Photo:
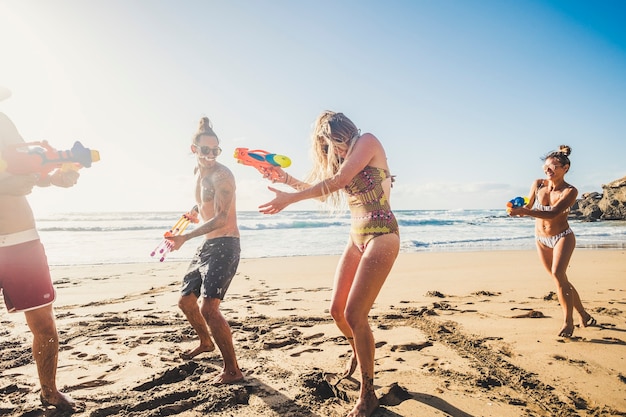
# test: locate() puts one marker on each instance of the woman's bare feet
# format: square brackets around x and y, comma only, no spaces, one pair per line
[351,366]
[567,330]
[62,402]
[365,407]
[190,354]
[228,377]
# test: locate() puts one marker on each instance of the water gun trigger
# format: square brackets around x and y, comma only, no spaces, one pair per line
[269,173]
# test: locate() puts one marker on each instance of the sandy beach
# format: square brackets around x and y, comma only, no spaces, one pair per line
[458,334]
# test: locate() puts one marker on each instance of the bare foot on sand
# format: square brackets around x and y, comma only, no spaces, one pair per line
[365,407]
[190,354]
[62,402]
[228,377]
[567,330]
[351,366]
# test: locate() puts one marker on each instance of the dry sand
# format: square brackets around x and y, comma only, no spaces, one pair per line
[458,334]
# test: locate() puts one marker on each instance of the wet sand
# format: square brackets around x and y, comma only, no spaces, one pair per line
[457,334]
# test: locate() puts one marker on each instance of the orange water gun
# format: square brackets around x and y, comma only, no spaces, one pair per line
[165,246]
[263,161]
[41,158]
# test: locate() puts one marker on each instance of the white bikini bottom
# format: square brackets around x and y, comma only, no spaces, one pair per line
[551,241]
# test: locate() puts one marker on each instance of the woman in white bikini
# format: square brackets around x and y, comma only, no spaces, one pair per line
[549,202]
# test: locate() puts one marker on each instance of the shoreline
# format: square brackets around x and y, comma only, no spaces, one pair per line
[590,247]
[78,239]
[455,336]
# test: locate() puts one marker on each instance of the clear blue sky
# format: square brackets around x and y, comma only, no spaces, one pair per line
[465,95]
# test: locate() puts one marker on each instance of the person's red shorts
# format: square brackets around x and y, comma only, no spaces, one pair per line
[25,277]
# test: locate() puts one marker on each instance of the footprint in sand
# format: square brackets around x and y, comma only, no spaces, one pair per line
[91,384]
[431,365]
[94,358]
[340,340]
[279,343]
[486,293]
[410,346]
[170,376]
[101,357]
[394,395]
[533,314]
[310,350]
[315,336]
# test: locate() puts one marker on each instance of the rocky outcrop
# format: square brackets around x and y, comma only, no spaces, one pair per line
[586,208]
[608,205]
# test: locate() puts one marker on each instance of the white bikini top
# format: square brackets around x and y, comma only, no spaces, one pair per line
[540,207]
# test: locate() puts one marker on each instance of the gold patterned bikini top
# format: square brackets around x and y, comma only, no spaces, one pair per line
[366,190]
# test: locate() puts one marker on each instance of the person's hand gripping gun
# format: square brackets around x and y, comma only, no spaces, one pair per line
[263,161]
[515,203]
[165,246]
[40,158]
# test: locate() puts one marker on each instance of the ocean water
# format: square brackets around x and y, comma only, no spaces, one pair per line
[130,237]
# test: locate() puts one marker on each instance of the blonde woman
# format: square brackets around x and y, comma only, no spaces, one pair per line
[355,164]
[549,202]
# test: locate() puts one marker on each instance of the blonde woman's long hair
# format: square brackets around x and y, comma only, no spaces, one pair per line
[332,132]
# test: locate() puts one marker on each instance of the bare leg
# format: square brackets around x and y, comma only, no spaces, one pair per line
[46,353]
[224,340]
[189,306]
[352,362]
[556,262]
[562,255]
[585,318]
[344,276]
[373,269]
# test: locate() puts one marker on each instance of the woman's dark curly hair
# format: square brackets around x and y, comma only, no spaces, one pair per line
[562,155]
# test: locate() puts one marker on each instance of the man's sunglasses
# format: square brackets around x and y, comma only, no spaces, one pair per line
[207,150]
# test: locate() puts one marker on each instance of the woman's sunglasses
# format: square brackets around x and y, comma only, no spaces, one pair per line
[207,150]
[552,167]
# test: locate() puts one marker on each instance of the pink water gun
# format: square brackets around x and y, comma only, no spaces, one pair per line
[41,158]
[263,161]
[165,246]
